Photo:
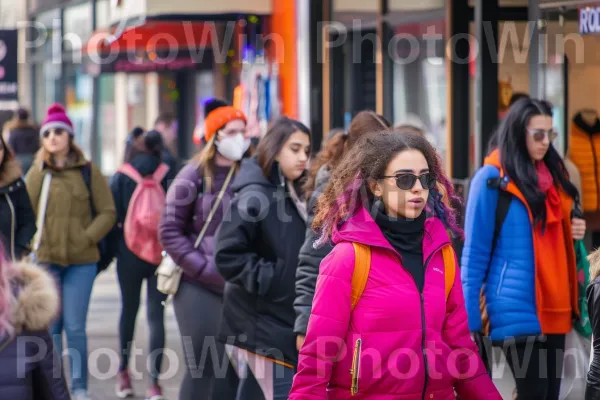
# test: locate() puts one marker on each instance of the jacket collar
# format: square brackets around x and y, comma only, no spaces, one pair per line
[75,160]
[494,159]
[362,228]
[10,175]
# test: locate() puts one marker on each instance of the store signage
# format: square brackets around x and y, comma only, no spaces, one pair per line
[9,85]
[589,20]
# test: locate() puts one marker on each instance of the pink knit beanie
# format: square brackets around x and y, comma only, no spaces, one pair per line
[56,117]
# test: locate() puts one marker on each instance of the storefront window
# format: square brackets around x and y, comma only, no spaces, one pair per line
[78,26]
[205,90]
[47,68]
[102,13]
[78,95]
[106,127]
[419,95]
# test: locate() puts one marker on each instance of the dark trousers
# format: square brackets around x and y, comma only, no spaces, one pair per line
[209,374]
[537,365]
[282,379]
[132,272]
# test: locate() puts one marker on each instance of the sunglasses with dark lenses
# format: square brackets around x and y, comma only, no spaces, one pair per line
[540,134]
[407,181]
[57,132]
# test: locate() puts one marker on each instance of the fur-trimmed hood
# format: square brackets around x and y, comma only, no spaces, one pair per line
[37,300]
[11,172]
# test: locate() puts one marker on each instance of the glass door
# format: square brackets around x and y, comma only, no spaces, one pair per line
[555,66]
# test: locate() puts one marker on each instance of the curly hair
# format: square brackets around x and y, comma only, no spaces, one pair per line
[365,163]
[365,121]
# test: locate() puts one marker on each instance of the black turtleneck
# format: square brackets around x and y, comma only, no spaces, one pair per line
[406,236]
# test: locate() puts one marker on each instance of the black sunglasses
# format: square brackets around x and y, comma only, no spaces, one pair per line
[407,181]
[57,132]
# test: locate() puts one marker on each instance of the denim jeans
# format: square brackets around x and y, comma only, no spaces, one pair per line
[75,284]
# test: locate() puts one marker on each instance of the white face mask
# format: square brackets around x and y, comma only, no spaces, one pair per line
[233,147]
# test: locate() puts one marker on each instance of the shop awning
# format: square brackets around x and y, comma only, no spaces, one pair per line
[153,36]
[155,45]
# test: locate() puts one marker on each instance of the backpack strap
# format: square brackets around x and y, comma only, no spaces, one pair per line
[86,173]
[504,200]
[362,266]
[160,173]
[127,169]
[449,268]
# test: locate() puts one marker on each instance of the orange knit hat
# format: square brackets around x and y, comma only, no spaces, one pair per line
[220,117]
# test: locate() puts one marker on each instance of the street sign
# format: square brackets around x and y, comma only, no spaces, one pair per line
[589,20]
[9,85]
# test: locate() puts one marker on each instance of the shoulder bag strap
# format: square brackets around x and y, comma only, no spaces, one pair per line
[42,205]
[214,207]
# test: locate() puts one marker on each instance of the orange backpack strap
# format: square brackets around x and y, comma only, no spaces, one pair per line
[449,268]
[362,266]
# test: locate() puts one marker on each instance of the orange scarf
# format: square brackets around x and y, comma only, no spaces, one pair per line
[556,272]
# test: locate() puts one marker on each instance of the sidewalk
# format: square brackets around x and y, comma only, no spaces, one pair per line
[103,334]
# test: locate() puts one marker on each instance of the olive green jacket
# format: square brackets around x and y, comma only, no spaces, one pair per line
[69,235]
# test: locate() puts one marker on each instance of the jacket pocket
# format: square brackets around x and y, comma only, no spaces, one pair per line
[355,370]
[501,281]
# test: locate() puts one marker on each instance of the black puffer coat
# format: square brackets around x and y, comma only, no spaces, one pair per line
[17,219]
[309,259]
[29,364]
[257,254]
[592,391]
[24,140]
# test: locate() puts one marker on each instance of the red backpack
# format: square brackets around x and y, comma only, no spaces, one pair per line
[143,213]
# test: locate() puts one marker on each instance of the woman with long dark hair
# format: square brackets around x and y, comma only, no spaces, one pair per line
[17,220]
[144,155]
[519,249]
[403,334]
[318,177]
[196,202]
[257,254]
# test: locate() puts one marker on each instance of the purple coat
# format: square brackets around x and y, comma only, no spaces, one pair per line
[186,211]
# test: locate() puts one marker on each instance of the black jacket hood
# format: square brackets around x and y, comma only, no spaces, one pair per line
[145,163]
[251,173]
[590,130]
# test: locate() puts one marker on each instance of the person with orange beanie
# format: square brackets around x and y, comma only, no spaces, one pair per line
[524,259]
[195,205]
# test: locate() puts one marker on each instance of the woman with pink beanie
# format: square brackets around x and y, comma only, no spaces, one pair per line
[75,210]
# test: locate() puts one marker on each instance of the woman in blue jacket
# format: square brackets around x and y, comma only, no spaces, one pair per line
[519,248]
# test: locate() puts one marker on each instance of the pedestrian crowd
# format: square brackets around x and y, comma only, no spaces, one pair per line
[297,277]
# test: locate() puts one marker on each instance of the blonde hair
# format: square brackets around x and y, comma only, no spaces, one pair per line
[594,260]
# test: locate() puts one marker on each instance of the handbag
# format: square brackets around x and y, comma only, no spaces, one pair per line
[168,272]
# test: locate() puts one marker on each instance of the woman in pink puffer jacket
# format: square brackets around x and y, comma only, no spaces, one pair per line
[406,340]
